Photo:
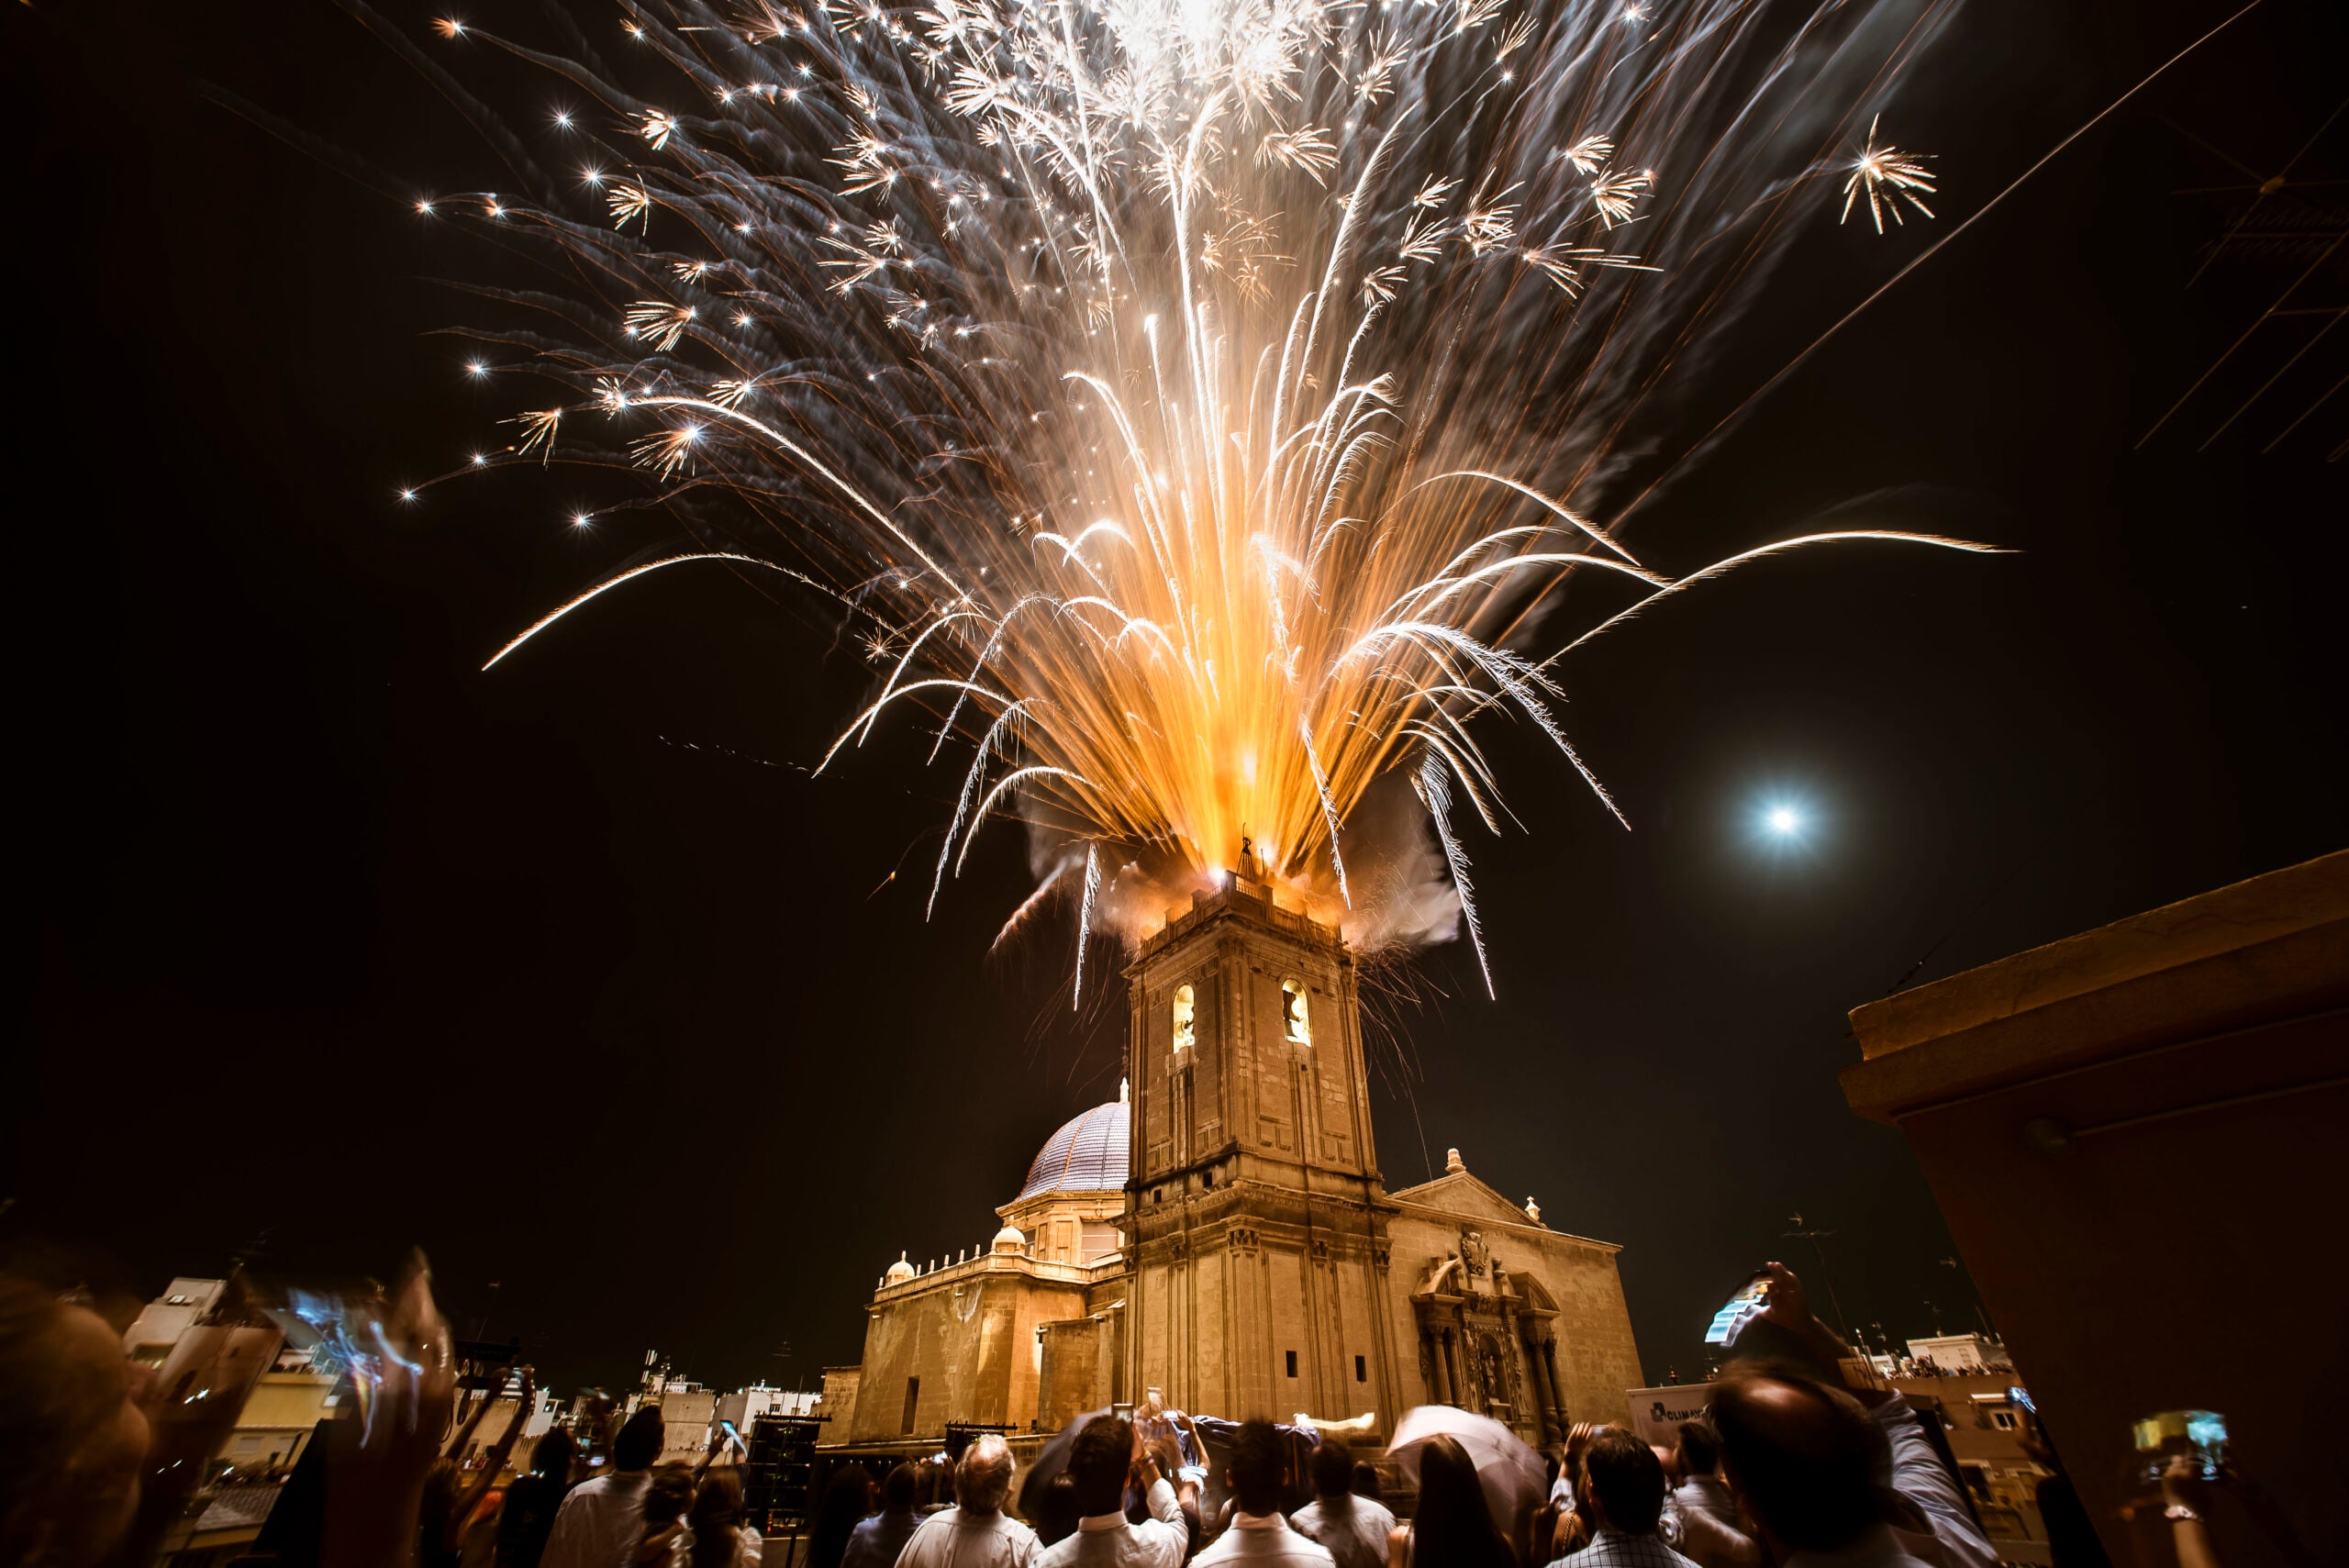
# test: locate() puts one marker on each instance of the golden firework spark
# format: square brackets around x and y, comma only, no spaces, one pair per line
[1889,177]
[1197,403]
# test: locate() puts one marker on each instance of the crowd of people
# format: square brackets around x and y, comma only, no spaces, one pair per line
[1797,1472]
[1791,1466]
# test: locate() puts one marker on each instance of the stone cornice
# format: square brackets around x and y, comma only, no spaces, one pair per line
[1524,1227]
[987,1265]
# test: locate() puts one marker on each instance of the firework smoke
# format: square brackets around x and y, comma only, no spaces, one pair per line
[1197,404]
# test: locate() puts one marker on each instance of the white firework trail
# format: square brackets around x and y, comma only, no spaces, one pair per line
[1197,404]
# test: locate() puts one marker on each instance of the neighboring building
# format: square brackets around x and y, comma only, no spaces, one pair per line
[284,1409]
[690,1413]
[747,1404]
[161,1321]
[1962,1352]
[1222,1234]
[536,1423]
[687,1415]
[1986,1433]
[284,1400]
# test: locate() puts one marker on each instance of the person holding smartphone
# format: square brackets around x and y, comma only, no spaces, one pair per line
[1824,1460]
[1104,1455]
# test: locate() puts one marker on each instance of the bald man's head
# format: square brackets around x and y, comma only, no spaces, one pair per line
[983,1478]
[1799,1453]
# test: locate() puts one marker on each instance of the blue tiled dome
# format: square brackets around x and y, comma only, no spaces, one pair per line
[1086,1155]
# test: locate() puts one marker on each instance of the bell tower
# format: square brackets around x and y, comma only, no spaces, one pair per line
[1256,1221]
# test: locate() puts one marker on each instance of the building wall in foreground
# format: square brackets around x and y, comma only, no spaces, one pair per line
[2090,1112]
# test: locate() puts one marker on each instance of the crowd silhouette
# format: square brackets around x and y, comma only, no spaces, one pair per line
[1794,1464]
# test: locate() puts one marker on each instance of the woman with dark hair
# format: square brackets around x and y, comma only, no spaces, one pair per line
[528,1516]
[1453,1526]
[848,1497]
[715,1535]
[1056,1511]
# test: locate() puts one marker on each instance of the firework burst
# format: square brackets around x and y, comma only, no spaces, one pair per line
[1888,177]
[1199,403]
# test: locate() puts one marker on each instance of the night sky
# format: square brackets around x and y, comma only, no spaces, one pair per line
[573,975]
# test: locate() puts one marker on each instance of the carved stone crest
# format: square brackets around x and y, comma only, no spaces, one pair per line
[1475,1256]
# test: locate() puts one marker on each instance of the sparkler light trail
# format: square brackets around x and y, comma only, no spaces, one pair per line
[1198,405]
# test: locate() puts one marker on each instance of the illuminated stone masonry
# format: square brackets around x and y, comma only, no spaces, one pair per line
[1222,1233]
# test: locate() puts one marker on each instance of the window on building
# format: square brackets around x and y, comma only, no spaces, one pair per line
[1294,1015]
[1186,1033]
[1362,1369]
[1292,1364]
[913,1402]
[2003,1419]
[1101,1240]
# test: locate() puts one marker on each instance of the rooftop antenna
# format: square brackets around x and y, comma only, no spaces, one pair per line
[1980,1316]
[2298,220]
[1814,1236]
[481,1324]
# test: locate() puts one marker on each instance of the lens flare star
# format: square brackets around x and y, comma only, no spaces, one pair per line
[1889,177]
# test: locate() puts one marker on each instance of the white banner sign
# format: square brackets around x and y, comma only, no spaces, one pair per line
[1656,1412]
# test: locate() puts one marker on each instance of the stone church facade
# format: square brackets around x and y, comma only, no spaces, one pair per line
[1224,1234]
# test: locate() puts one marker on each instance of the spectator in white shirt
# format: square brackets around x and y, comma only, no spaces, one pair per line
[1256,1474]
[1103,1456]
[602,1520]
[1353,1528]
[974,1532]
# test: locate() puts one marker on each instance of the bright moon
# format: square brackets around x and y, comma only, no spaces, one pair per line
[1784,819]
